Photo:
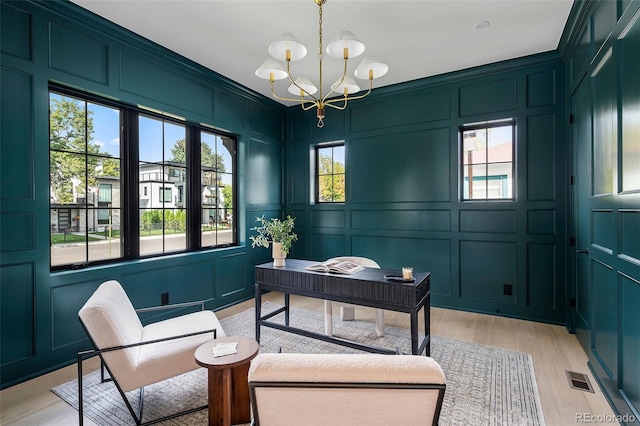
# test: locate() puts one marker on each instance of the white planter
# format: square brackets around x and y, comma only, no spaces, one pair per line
[278,255]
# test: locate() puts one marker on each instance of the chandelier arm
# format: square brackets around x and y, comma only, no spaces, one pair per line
[296,84]
[352,98]
[344,75]
[301,100]
[311,105]
[331,103]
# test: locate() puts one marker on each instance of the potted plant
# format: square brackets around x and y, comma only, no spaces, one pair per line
[276,231]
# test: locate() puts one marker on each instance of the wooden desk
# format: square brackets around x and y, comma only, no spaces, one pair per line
[228,380]
[366,288]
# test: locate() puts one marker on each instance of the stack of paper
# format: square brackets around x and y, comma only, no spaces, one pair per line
[227,348]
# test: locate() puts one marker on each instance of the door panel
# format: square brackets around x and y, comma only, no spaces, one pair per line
[581,141]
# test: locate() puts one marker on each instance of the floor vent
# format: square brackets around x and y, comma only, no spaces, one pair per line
[579,381]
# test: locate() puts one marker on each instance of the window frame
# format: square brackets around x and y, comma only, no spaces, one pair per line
[317,148]
[131,196]
[486,125]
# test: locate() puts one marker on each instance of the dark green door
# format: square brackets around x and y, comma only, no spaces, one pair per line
[581,144]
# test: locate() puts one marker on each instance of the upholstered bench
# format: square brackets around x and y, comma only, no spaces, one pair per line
[350,389]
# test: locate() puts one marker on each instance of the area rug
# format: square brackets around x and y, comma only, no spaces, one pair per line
[485,385]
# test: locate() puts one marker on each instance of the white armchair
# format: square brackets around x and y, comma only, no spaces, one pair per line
[345,389]
[347,312]
[136,355]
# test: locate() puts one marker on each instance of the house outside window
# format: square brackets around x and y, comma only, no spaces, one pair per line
[330,173]
[487,162]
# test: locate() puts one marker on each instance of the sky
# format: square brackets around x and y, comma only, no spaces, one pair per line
[106,135]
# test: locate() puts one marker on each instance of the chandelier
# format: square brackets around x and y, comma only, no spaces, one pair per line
[344,46]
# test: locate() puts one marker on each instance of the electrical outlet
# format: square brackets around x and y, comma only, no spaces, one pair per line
[164,299]
[508,290]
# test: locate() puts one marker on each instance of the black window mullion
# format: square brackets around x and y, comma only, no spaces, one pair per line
[192,192]
[129,132]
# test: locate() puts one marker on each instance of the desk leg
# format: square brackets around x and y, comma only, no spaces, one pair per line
[286,312]
[414,331]
[258,300]
[220,397]
[241,412]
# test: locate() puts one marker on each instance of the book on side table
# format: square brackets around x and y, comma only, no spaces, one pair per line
[336,266]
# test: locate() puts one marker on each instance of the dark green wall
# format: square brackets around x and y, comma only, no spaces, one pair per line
[58,42]
[403,204]
[601,45]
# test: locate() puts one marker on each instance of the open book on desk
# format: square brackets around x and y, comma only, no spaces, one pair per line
[335,266]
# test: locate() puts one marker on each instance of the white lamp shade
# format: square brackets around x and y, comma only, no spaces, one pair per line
[306,84]
[371,63]
[335,49]
[349,83]
[278,49]
[271,66]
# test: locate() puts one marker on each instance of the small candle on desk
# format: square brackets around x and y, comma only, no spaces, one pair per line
[407,273]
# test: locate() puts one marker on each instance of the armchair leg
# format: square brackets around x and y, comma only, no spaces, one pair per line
[80,413]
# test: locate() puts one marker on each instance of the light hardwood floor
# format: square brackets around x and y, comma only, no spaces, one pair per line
[552,348]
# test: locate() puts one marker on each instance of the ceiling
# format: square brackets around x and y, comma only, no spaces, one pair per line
[417,39]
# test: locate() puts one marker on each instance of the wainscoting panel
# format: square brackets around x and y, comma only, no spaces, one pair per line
[629,47]
[541,276]
[418,108]
[230,109]
[485,268]
[541,222]
[158,81]
[605,164]
[265,121]
[402,220]
[603,232]
[541,89]
[16,150]
[66,301]
[17,231]
[327,218]
[264,172]
[17,312]
[17,37]
[629,231]
[230,276]
[630,340]
[605,330]
[78,54]
[300,188]
[389,177]
[494,221]
[492,96]
[326,246]
[541,153]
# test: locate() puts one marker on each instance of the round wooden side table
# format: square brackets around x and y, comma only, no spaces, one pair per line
[228,380]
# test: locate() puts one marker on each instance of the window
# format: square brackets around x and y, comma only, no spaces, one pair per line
[84,167]
[89,217]
[488,161]
[330,173]
[217,162]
